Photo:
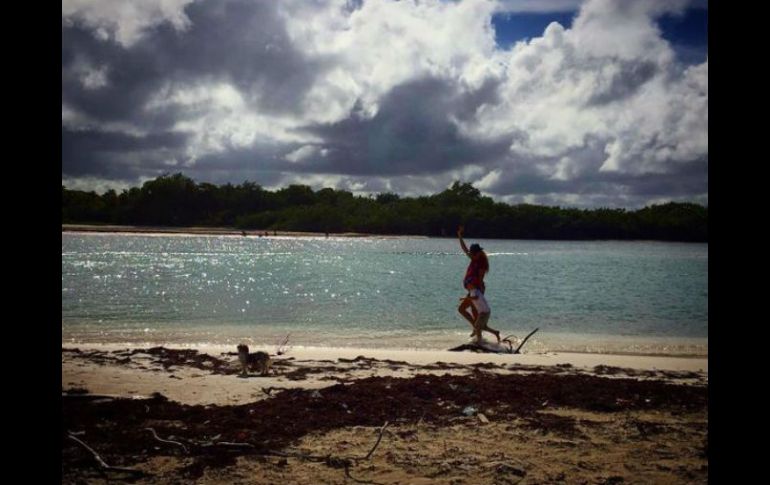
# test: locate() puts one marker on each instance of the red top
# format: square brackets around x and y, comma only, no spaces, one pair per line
[473,274]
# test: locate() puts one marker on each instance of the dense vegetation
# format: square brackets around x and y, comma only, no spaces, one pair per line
[176,200]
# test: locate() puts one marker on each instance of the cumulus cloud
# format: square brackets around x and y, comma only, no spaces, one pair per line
[538,6]
[385,95]
[125,22]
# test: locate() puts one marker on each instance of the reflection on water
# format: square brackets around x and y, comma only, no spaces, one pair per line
[630,297]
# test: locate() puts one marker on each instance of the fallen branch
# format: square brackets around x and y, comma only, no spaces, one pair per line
[382,430]
[524,341]
[281,348]
[230,444]
[474,347]
[155,435]
[102,464]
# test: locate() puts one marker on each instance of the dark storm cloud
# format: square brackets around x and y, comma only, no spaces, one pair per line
[690,178]
[133,76]
[237,41]
[120,155]
[682,180]
[413,132]
[124,104]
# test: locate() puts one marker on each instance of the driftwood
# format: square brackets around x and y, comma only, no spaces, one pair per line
[282,348]
[474,347]
[102,464]
[525,340]
[230,444]
[155,435]
[382,430]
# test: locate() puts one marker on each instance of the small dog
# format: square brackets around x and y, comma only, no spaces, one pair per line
[259,361]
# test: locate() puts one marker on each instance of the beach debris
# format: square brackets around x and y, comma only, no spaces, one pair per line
[269,390]
[477,347]
[379,438]
[411,399]
[283,346]
[483,418]
[158,438]
[474,347]
[102,464]
[316,394]
[331,461]
[507,340]
[470,411]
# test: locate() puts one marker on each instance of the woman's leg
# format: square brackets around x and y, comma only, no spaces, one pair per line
[470,316]
[483,324]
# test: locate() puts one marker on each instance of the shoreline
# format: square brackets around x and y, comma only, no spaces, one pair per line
[425,357]
[232,231]
[215,231]
[542,343]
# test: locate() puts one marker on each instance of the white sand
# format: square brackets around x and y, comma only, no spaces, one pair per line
[194,386]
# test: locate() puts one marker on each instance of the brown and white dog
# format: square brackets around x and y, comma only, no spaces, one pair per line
[259,361]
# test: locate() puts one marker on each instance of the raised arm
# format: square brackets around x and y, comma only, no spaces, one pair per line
[462,243]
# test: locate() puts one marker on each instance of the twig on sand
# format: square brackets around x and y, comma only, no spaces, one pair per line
[335,461]
[382,430]
[524,341]
[155,435]
[510,345]
[282,348]
[331,461]
[102,464]
[230,444]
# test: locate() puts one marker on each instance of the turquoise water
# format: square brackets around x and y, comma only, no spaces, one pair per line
[596,296]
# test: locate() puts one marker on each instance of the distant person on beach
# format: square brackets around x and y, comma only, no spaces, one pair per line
[476,298]
[474,275]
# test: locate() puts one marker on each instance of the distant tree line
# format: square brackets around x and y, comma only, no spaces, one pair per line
[176,200]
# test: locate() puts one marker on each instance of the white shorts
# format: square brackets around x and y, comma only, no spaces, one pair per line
[483,319]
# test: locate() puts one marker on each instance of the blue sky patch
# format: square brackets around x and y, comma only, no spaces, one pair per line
[687,33]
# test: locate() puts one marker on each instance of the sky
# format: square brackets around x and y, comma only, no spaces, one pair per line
[595,103]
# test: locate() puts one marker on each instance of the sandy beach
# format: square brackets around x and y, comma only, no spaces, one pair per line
[175,414]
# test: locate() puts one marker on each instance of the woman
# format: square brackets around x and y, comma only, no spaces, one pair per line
[474,277]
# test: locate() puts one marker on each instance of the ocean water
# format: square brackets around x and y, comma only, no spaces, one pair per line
[597,296]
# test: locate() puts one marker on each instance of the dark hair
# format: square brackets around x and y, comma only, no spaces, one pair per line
[484,261]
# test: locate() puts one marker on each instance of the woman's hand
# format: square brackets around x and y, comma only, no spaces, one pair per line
[460,231]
